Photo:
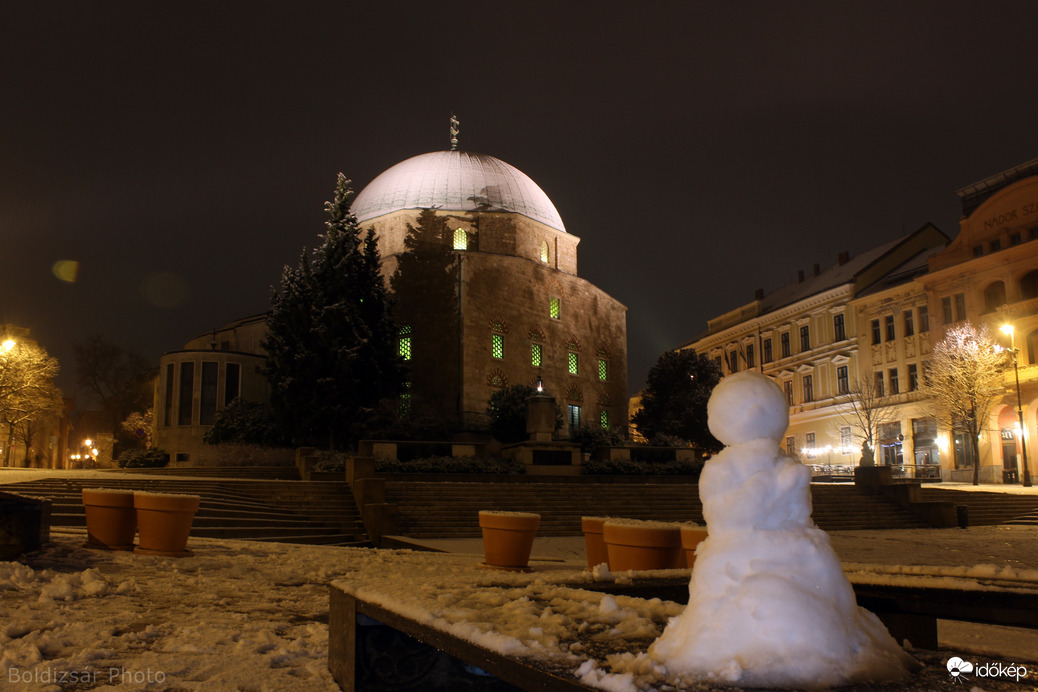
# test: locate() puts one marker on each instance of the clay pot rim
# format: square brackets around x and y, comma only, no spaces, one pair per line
[513,521]
[593,524]
[646,536]
[166,502]
[104,497]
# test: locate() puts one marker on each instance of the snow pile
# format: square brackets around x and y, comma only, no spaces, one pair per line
[769,603]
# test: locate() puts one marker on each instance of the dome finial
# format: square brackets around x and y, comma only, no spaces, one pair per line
[455,129]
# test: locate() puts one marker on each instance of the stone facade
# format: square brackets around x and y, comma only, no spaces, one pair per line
[504,288]
[893,313]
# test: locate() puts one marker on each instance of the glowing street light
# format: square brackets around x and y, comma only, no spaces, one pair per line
[7,345]
[1008,329]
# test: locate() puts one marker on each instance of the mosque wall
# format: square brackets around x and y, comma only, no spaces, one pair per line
[522,319]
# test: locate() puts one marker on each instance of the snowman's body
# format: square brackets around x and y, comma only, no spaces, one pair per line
[769,604]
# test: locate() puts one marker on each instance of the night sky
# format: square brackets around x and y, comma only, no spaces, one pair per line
[181,153]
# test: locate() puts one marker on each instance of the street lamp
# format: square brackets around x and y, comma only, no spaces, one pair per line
[1008,329]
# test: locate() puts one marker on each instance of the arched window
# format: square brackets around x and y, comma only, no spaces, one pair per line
[461,239]
[1029,284]
[544,251]
[994,296]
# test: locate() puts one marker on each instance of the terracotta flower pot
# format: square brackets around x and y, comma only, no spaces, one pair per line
[594,544]
[164,521]
[508,538]
[639,545]
[691,537]
[110,518]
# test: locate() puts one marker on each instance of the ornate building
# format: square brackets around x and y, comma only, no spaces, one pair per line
[490,297]
[487,296]
[807,336]
[873,319]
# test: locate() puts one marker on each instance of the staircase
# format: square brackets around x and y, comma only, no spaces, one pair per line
[451,509]
[986,509]
[315,513]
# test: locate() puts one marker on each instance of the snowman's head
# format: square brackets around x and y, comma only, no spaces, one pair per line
[747,406]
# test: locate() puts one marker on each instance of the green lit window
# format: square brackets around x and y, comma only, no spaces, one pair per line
[544,251]
[555,307]
[603,419]
[497,345]
[536,355]
[404,343]
[461,239]
[603,369]
[574,363]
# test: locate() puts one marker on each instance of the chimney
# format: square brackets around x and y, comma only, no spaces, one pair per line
[818,270]
[800,276]
[758,294]
[843,258]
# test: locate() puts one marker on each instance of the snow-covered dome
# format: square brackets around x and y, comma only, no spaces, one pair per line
[455,181]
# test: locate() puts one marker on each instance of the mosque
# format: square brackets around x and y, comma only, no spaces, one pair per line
[490,299]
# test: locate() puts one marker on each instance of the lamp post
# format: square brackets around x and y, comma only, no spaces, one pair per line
[1008,329]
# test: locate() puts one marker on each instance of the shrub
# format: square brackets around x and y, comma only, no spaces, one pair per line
[507,412]
[143,459]
[593,437]
[244,422]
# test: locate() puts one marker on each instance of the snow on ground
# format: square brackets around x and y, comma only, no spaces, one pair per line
[253,616]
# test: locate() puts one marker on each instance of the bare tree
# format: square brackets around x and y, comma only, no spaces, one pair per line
[865,411]
[965,379]
[119,381]
[27,390]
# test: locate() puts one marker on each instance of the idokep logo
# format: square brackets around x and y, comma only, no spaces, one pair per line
[961,670]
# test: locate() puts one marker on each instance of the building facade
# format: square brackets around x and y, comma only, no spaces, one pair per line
[870,322]
[203,377]
[491,297]
[807,337]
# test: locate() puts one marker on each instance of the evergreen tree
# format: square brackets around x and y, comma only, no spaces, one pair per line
[331,341]
[674,402]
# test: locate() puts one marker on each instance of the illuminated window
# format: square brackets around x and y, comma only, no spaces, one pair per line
[843,385]
[603,369]
[787,387]
[404,342]
[574,363]
[603,419]
[544,251]
[497,346]
[555,307]
[845,436]
[536,355]
[461,239]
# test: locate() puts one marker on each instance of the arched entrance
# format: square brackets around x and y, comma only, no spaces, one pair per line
[1009,435]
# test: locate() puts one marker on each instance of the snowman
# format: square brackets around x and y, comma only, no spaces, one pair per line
[769,605]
